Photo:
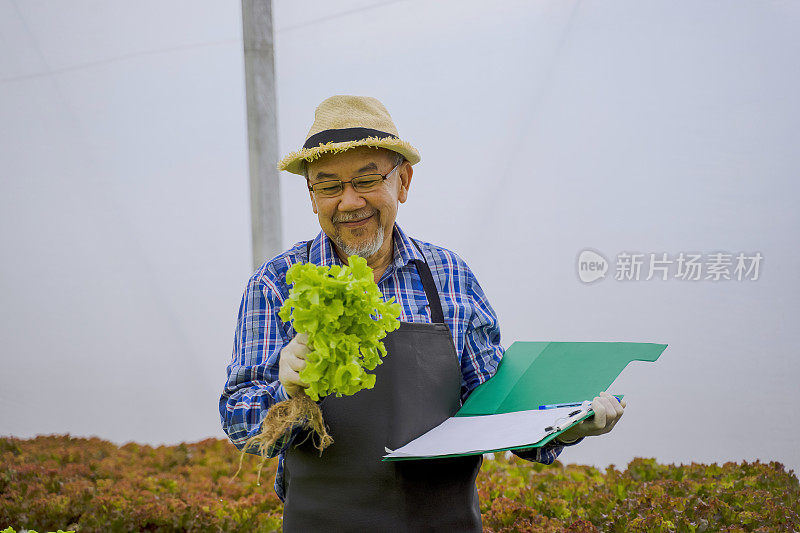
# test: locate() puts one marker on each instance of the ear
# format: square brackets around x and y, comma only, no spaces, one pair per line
[406,171]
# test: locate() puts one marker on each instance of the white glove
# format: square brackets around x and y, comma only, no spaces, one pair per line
[607,412]
[292,360]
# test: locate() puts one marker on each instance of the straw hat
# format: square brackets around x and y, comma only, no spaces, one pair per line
[342,122]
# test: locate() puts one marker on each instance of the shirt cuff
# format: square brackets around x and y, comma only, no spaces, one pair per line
[530,454]
[280,393]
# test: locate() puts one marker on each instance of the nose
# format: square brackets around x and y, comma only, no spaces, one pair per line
[351,199]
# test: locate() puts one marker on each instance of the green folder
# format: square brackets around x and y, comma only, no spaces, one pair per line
[543,373]
[533,374]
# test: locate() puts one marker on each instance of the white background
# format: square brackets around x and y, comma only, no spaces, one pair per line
[545,128]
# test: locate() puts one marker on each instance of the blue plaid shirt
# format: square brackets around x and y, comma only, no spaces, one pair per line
[253,386]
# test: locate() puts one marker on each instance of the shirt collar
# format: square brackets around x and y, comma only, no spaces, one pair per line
[322,252]
[404,249]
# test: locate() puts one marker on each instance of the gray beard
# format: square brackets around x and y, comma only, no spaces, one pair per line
[365,249]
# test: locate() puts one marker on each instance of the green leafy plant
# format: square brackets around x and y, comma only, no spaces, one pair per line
[342,311]
[11,530]
[92,485]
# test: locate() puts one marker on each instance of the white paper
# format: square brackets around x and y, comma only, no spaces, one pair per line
[479,434]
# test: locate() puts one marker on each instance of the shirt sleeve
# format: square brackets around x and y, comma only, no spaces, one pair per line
[252,386]
[482,350]
[546,454]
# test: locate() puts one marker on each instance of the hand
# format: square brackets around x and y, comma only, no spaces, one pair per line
[290,362]
[607,412]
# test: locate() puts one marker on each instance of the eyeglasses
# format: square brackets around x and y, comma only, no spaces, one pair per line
[365,183]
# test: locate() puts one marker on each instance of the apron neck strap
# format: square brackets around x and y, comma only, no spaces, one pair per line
[437,315]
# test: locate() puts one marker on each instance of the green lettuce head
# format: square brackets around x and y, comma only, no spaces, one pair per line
[344,314]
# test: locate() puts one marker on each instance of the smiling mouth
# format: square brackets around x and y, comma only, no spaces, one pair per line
[355,223]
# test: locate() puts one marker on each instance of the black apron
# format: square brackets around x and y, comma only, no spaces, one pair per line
[348,487]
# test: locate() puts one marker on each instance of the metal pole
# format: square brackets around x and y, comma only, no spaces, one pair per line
[262,129]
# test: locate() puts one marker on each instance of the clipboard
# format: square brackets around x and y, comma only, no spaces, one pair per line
[503,413]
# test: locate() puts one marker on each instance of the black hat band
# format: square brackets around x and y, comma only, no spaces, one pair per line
[345,135]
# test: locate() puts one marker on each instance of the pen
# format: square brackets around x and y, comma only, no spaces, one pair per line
[571,404]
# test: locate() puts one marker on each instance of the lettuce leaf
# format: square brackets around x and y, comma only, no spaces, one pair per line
[343,312]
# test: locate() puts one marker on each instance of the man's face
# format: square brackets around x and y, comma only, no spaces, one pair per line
[359,223]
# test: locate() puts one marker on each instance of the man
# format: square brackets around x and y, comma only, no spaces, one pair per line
[358,172]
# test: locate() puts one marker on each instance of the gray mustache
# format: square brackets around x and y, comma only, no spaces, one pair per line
[353,216]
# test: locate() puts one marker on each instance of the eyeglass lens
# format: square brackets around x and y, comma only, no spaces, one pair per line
[336,187]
